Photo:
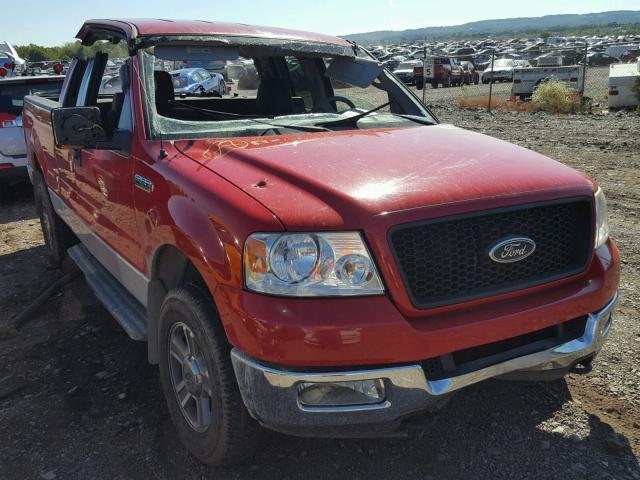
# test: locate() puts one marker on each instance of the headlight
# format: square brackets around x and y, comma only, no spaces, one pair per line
[602,222]
[310,264]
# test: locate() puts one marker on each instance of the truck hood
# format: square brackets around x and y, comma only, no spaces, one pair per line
[342,179]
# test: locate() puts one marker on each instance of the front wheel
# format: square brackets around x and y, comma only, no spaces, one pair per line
[198,380]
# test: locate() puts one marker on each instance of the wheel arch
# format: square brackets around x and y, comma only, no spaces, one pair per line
[170,268]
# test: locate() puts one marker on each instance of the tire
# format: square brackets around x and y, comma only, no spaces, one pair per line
[419,85]
[434,85]
[222,88]
[485,81]
[467,80]
[227,434]
[448,83]
[58,237]
[476,80]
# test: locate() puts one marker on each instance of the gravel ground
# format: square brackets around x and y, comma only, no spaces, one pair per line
[78,400]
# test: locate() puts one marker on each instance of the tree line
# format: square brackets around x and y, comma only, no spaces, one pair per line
[38,53]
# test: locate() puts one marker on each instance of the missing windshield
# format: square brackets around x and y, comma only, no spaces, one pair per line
[222,89]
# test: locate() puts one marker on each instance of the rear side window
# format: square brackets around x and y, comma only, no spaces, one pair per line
[12,94]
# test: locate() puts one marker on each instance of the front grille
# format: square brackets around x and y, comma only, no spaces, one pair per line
[446,261]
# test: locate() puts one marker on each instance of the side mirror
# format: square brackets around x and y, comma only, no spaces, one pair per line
[78,127]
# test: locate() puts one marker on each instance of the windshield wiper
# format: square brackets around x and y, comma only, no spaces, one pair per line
[414,118]
[228,115]
[351,121]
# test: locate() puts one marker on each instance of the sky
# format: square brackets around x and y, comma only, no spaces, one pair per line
[52,22]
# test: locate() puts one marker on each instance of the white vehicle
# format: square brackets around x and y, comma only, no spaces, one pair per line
[525,80]
[502,71]
[549,61]
[618,50]
[622,78]
[10,61]
[13,153]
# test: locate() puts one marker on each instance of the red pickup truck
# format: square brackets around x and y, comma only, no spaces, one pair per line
[318,255]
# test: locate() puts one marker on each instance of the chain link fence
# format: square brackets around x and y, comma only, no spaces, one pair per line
[483,87]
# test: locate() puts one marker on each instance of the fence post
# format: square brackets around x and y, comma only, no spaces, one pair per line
[584,76]
[493,54]
[424,85]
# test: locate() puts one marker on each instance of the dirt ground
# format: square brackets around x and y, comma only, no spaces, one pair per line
[79,401]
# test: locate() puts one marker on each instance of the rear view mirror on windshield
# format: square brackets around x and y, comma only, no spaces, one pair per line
[359,72]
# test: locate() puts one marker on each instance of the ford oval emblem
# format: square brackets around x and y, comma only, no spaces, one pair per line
[512,249]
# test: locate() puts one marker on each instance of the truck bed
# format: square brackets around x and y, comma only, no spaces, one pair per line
[525,80]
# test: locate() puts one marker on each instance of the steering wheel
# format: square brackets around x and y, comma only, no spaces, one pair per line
[325,105]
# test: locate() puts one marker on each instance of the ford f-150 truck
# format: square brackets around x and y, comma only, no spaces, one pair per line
[319,256]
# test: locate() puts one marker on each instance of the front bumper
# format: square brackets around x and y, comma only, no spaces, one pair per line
[271,394]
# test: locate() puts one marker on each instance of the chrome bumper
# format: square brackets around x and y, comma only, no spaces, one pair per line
[271,394]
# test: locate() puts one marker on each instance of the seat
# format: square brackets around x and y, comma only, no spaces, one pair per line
[164,91]
[274,97]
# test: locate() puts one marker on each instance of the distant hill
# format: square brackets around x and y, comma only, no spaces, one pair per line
[493,27]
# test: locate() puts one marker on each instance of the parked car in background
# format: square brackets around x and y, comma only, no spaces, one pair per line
[10,62]
[502,71]
[243,74]
[110,85]
[617,51]
[446,72]
[630,55]
[405,71]
[600,59]
[198,81]
[471,75]
[13,153]
[391,64]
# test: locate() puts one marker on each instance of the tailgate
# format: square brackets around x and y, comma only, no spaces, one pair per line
[11,137]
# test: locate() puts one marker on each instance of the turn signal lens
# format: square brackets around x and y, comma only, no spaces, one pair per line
[602,221]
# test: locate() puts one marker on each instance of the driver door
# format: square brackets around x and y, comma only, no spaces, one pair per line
[103,191]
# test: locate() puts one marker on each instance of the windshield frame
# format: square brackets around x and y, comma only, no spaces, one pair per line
[155,124]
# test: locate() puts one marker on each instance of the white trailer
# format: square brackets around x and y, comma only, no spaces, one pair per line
[525,80]
[622,78]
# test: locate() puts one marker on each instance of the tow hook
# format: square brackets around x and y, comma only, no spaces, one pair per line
[584,366]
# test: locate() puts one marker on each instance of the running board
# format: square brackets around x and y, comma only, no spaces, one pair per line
[128,311]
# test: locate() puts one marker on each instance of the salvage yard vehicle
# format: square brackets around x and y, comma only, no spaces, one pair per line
[525,80]
[13,152]
[405,71]
[446,72]
[318,256]
[471,75]
[624,85]
[198,81]
[502,71]
[10,62]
